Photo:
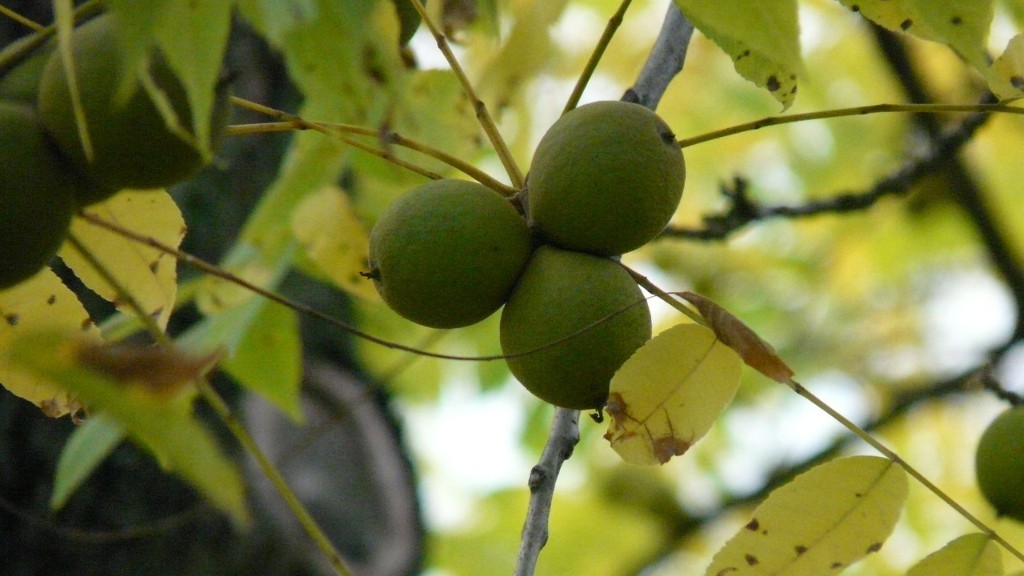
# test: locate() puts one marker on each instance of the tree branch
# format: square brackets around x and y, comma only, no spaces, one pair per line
[665,61]
[565,434]
[743,210]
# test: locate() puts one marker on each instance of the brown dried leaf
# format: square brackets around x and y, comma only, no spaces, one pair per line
[754,351]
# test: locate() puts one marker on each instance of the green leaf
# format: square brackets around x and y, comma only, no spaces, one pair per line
[42,302]
[268,360]
[263,349]
[147,274]
[762,38]
[160,420]
[85,449]
[962,25]
[820,523]
[669,393]
[968,555]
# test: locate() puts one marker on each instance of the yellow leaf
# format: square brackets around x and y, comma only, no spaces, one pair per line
[42,302]
[148,275]
[335,240]
[1007,81]
[820,523]
[960,24]
[762,38]
[669,393]
[969,555]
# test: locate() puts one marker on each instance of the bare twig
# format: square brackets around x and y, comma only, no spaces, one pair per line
[744,210]
[665,61]
[565,434]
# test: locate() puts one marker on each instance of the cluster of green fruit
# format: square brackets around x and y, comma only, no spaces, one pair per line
[999,463]
[46,173]
[605,179]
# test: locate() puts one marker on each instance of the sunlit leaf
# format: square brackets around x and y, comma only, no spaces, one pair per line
[968,555]
[263,351]
[1007,80]
[820,523]
[669,393]
[85,449]
[147,274]
[160,420]
[960,24]
[336,241]
[42,302]
[762,38]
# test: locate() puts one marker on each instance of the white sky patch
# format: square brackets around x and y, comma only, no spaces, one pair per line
[967,314]
[468,443]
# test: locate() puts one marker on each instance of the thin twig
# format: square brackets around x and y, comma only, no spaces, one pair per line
[595,57]
[482,115]
[852,111]
[289,122]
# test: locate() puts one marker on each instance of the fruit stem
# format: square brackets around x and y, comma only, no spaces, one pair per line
[486,121]
[595,57]
[853,111]
[885,451]
[222,409]
[666,297]
[290,122]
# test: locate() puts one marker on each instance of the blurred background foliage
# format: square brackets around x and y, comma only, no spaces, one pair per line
[890,313]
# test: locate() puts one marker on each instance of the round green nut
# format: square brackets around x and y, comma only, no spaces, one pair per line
[606,178]
[569,298]
[132,145]
[36,195]
[999,463]
[446,254]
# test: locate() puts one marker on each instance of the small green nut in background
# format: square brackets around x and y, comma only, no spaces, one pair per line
[132,145]
[20,83]
[605,179]
[36,195]
[560,293]
[447,253]
[999,463]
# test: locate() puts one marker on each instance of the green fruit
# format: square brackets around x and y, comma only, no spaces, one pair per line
[447,254]
[20,83]
[131,142]
[36,195]
[606,178]
[999,463]
[408,20]
[560,293]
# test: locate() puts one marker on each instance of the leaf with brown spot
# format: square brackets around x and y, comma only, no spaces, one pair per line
[815,523]
[754,351]
[669,393]
[42,302]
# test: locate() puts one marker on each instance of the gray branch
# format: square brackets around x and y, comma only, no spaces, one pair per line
[665,61]
[565,433]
